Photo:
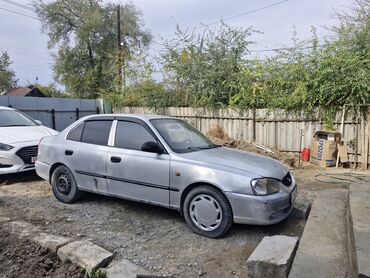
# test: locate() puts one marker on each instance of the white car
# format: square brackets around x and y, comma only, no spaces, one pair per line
[19,139]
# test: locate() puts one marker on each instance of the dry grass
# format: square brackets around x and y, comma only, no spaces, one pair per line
[218,132]
[218,135]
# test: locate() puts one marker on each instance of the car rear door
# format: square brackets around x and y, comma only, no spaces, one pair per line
[133,173]
[86,150]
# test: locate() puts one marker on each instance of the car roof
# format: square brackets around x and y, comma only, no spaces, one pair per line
[6,108]
[137,116]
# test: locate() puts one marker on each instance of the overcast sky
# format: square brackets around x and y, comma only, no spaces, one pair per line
[21,36]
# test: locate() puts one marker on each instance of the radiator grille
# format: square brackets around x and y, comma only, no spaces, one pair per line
[27,153]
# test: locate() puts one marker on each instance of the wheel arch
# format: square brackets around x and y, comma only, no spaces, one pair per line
[53,167]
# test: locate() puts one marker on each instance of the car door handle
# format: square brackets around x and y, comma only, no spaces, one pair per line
[115,159]
[68,152]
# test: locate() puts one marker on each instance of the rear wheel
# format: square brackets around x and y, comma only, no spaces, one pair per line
[64,185]
[208,212]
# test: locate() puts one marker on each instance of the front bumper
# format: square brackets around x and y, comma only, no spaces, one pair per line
[11,163]
[261,210]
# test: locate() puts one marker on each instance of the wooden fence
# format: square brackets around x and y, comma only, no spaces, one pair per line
[278,129]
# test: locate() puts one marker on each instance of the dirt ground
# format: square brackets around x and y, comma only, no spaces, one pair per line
[21,258]
[155,238]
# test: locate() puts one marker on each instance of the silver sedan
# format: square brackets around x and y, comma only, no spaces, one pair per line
[165,161]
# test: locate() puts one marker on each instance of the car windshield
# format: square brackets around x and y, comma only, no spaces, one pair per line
[14,118]
[182,137]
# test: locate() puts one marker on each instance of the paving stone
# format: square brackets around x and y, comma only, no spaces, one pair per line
[85,254]
[300,210]
[51,242]
[272,257]
[23,229]
[124,269]
[323,248]
[359,202]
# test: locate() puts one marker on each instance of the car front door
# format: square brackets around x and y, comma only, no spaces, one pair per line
[133,173]
[86,150]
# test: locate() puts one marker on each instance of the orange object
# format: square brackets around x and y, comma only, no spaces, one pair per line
[306,153]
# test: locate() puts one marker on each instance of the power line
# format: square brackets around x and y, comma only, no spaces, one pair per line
[236,16]
[18,5]
[32,56]
[245,13]
[20,13]
[7,46]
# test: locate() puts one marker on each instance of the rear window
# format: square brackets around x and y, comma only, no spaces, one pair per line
[96,132]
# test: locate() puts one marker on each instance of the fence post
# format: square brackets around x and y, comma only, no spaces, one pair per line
[77,113]
[53,118]
[254,125]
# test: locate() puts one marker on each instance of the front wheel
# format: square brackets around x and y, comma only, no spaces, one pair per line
[208,212]
[64,185]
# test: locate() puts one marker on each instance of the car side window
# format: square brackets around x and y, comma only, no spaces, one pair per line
[75,134]
[96,132]
[131,136]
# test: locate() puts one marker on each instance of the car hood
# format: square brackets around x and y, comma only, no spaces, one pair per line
[19,134]
[241,160]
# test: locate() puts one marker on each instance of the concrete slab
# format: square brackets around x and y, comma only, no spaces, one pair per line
[272,257]
[124,269]
[23,229]
[322,251]
[300,210]
[359,203]
[51,242]
[85,254]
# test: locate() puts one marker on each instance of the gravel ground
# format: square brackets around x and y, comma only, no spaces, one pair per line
[155,238]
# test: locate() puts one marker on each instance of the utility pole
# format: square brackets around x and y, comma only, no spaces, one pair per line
[119,48]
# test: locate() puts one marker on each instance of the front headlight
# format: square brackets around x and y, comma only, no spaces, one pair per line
[265,186]
[5,147]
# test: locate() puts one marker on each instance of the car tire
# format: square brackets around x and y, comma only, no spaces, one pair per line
[215,208]
[64,185]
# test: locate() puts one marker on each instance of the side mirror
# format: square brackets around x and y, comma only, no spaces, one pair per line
[152,147]
[39,122]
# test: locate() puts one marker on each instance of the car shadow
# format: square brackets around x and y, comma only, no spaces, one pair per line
[22,177]
[289,227]
[133,206]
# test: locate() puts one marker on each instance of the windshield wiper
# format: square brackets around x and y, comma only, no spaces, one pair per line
[211,146]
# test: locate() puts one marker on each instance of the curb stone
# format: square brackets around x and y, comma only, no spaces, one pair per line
[124,268]
[85,254]
[51,242]
[301,210]
[273,257]
[82,253]
[23,229]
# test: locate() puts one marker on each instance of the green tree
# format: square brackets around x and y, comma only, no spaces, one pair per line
[84,34]
[342,76]
[202,65]
[51,90]
[7,75]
